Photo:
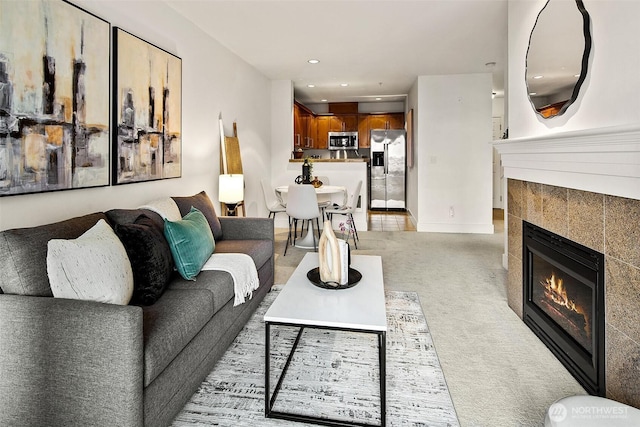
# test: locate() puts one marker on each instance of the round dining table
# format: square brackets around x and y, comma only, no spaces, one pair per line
[306,242]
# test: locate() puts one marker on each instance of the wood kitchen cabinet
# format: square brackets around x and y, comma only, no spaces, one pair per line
[297,127]
[367,122]
[312,131]
[386,121]
[363,131]
[396,120]
[303,127]
[344,123]
[323,124]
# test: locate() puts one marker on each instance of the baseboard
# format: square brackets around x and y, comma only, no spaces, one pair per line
[456,228]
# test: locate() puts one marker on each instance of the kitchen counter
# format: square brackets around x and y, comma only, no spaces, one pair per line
[355,160]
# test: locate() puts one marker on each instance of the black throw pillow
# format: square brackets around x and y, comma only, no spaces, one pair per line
[150,258]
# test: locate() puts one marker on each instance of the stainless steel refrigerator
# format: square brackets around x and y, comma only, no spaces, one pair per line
[388,166]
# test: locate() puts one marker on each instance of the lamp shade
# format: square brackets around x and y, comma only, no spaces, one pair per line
[231,188]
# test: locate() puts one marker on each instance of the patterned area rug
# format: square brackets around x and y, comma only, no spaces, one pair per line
[332,374]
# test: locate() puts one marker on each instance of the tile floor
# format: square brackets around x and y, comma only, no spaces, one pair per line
[399,221]
[389,221]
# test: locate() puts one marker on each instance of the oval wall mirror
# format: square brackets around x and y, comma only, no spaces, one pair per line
[558,55]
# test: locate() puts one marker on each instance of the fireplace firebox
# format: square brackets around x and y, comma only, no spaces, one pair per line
[563,292]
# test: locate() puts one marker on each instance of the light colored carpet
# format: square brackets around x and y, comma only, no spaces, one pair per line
[498,372]
[332,374]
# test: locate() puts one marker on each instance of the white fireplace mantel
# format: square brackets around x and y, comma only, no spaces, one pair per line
[604,160]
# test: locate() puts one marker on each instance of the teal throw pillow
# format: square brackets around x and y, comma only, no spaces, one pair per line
[191,242]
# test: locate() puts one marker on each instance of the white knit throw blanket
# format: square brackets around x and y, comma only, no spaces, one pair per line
[242,270]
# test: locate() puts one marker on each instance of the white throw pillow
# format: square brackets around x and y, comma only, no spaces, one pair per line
[93,267]
[166,208]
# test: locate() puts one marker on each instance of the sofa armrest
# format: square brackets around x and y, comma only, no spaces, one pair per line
[246,228]
[67,362]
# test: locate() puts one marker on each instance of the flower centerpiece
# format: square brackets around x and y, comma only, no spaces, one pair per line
[346,228]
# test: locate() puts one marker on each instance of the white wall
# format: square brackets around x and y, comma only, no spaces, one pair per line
[214,81]
[413,173]
[455,155]
[611,93]
[281,131]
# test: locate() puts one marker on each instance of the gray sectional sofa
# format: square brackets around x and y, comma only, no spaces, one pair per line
[83,363]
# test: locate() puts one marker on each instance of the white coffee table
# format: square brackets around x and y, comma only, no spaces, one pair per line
[357,309]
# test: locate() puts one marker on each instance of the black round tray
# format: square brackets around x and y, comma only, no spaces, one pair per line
[314,276]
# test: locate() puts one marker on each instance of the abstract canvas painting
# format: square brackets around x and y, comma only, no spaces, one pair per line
[147,111]
[54,97]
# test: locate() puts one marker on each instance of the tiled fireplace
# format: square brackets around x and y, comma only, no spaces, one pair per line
[607,224]
[584,186]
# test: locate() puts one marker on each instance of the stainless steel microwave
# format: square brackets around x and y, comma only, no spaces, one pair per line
[343,140]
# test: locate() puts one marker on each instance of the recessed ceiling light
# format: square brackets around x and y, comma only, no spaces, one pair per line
[344,84]
[378,99]
[311,85]
[533,93]
[313,61]
[323,100]
[537,77]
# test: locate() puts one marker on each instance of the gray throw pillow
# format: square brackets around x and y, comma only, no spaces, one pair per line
[202,202]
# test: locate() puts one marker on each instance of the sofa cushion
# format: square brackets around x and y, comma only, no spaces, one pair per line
[170,324]
[150,258]
[129,216]
[23,254]
[93,267]
[202,202]
[219,283]
[191,242]
[260,251]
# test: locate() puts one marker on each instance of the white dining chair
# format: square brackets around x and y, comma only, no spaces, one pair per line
[302,204]
[348,209]
[324,200]
[273,205]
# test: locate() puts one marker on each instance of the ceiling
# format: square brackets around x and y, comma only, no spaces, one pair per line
[377,47]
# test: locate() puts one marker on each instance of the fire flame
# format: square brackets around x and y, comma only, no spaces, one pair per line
[558,294]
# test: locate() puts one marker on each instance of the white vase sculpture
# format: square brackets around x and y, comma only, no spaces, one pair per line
[333,256]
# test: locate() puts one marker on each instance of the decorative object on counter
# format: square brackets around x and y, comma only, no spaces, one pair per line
[231,192]
[307,168]
[333,259]
[316,182]
[297,154]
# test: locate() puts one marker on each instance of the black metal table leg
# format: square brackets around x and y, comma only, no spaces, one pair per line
[270,400]
[382,352]
[267,364]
